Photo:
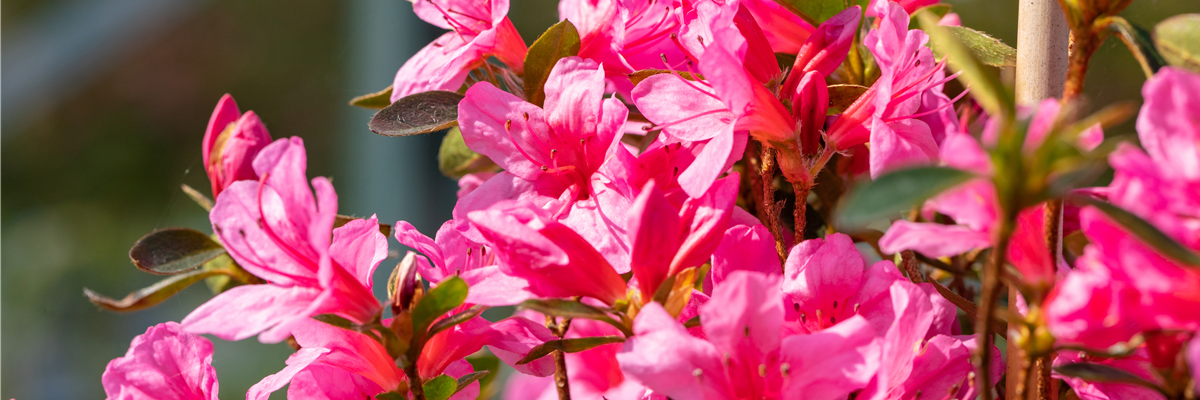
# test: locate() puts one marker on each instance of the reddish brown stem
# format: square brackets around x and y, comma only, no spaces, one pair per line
[987,312]
[1083,45]
[768,201]
[800,212]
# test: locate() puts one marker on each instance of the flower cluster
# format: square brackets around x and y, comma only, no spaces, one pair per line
[625,183]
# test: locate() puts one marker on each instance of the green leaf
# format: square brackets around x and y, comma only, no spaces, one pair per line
[391,396]
[692,322]
[641,75]
[817,11]
[842,96]
[375,100]
[572,309]
[1140,43]
[440,300]
[417,113]
[220,283]
[204,202]
[440,388]
[1178,39]
[1146,232]
[561,40]
[173,250]
[338,321]
[468,379]
[151,295]
[1103,373]
[451,321]
[574,345]
[455,159]
[984,83]
[896,192]
[987,49]
[340,220]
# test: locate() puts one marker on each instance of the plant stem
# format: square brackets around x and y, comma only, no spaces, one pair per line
[1084,43]
[768,201]
[800,211]
[991,293]
[561,383]
[414,382]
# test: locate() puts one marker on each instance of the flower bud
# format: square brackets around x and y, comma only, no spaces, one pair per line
[230,144]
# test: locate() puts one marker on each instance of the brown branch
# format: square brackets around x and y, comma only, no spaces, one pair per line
[772,208]
[985,324]
[800,210]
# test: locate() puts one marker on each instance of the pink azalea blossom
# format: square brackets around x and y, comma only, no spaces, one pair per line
[594,374]
[230,144]
[904,115]
[452,253]
[277,230]
[561,157]
[479,29]
[164,363]
[553,258]
[365,366]
[746,353]
[667,238]
[625,36]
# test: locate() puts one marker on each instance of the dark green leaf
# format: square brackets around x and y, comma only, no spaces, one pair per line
[692,322]
[391,396]
[466,380]
[568,346]
[152,295]
[984,83]
[204,202]
[1140,43]
[1146,232]
[173,250]
[561,40]
[896,192]
[817,11]
[338,321]
[987,49]
[572,309]
[440,388]
[455,159]
[451,321]
[1102,373]
[842,96]
[639,76]
[340,220]
[1178,40]
[448,294]
[375,100]
[417,113]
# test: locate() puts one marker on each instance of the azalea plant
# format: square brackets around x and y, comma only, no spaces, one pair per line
[706,199]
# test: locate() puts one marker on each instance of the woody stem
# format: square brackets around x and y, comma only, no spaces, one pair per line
[768,200]
[799,213]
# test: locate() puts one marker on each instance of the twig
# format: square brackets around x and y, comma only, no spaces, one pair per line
[768,201]
[984,325]
[800,209]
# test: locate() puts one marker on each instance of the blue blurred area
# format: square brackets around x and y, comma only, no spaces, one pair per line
[104,106]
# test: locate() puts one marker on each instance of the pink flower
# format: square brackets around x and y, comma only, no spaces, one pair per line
[625,36]
[743,248]
[1090,308]
[163,363]
[1162,183]
[784,30]
[746,353]
[904,115]
[278,231]
[563,157]
[364,366]
[667,238]
[594,374]
[556,260]
[452,253]
[230,144]
[479,29]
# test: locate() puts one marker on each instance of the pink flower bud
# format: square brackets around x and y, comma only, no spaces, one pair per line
[230,144]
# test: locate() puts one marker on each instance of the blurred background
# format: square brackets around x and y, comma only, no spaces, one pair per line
[104,107]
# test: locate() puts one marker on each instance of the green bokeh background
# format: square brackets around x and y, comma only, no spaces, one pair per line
[81,182]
